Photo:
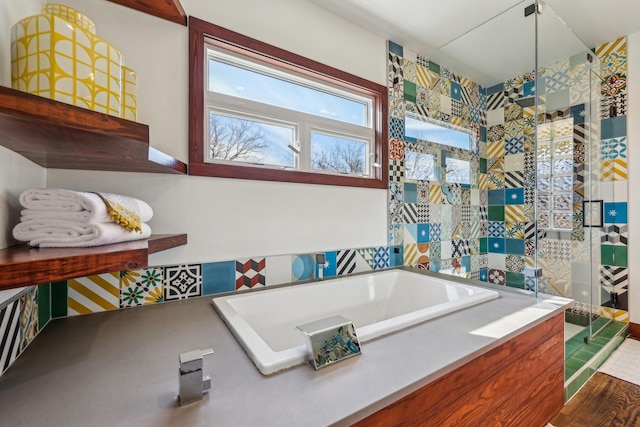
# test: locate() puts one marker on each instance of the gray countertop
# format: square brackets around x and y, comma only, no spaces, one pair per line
[120,368]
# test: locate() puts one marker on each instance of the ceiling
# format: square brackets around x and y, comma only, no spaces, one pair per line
[491,41]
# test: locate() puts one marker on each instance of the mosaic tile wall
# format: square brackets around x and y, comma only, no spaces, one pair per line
[441,226]
[487,230]
[21,319]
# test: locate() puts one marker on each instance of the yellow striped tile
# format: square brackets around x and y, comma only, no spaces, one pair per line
[495,149]
[483,181]
[614,170]
[410,254]
[435,194]
[617,46]
[426,77]
[514,213]
[93,294]
[615,314]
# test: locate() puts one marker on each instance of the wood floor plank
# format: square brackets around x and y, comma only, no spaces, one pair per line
[603,401]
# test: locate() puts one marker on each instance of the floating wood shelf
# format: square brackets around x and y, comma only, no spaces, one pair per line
[170,10]
[62,136]
[25,266]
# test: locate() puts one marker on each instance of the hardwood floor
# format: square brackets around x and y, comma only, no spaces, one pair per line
[603,401]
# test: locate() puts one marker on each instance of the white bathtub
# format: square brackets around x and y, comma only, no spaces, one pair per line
[379,303]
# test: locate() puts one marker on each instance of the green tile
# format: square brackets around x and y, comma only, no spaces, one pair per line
[575,385]
[434,67]
[574,364]
[620,256]
[515,280]
[496,213]
[583,355]
[44,305]
[409,91]
[483,165]
[59,299]
[483,245]
[606,254]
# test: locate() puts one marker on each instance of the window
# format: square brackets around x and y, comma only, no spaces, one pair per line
[555,175]
[437,150]
[259,112]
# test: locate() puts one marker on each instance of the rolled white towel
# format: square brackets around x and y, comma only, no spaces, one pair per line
[65,234]
[78,206]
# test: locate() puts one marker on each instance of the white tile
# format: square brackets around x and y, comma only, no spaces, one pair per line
[514,162]
[278,270]
[495,117]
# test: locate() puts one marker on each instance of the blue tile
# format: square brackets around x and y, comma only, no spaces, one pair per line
[484,274]
[613,127]
[578,113]
[495,89]
[396,253]
[396,48]
[529,89]
[496,245]
[434,266]
[615,213]
[381,257]
[218,277]
[303,267]
[496,229]
[456,91]
[466,264]
[514,196]
[423,233]
[514,246]
[410,192]
[330,269]
[496,197]
[619,126]
[411,229]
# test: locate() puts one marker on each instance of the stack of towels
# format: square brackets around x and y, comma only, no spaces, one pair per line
[64,218]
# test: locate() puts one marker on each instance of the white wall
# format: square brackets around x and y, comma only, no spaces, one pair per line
[633,133]
[16,173]
[227,219]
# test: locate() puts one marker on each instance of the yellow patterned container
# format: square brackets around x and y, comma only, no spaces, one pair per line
[129,94]
[56,54]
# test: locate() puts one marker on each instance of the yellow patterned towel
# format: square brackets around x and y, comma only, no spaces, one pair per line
[123,210]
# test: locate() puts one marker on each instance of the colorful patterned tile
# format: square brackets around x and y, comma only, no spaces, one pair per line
[182,281]
[93,294]
[350,261]
[9,334]
[141,287]
[615,213]
[250,273]
[44,305]
[28,317]
[381,257]
[497,277]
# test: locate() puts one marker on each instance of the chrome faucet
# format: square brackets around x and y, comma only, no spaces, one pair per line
[192,383]
[321,262]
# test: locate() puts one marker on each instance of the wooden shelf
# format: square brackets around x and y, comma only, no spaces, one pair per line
[170,10]
[62,136]
[25,266]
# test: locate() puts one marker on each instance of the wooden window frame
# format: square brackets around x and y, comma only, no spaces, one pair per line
[200,30]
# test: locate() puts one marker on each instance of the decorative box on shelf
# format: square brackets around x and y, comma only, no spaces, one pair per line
[56,54]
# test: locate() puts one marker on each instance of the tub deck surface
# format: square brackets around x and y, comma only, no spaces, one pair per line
[121,368]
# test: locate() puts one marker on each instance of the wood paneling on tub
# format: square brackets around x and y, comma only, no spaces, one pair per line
[634,330]
[519,383]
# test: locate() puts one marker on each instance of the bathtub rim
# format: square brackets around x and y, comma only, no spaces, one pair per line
[276,361]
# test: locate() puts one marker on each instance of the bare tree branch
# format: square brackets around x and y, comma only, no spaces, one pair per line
[345,157]
[235,140]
